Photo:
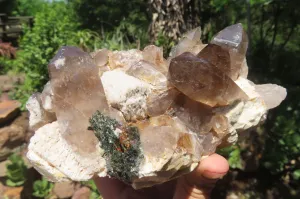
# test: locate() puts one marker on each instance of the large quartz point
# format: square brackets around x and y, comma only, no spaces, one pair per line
[77,92]
[190,42]
[235,40]
[154,55]
[272,94]
[202,81]
[133,116]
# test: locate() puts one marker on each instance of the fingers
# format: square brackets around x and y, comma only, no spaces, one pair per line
[196,185]
[199,183]
[114,189]
[109,188]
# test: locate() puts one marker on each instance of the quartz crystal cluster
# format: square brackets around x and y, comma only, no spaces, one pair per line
[138,117]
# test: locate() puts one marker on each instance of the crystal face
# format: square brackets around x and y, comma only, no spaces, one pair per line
[142,118]
[217,56]
[272,94]
[191,42]
[235,40]
[202,81]
[77,91]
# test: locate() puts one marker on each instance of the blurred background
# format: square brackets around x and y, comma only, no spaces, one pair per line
[266,161]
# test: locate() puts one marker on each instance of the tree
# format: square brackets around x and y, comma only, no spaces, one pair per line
[173,18]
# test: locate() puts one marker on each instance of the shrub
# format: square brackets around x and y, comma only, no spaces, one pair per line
[283,142]
[54,27]
[15,171]
[42,188]
[28,7]
[233,154]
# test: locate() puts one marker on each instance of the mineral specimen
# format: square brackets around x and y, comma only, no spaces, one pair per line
[138,117]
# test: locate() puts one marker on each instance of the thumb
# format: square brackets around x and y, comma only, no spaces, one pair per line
[199,183]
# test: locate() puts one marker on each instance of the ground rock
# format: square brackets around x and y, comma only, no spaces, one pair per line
[9,109]
[82,193]
[13,192]
[12,137]
[8,82]
[64,189]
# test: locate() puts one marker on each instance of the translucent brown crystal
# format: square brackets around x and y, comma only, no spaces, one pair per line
[190,42]
[154,55]
[77,93]
[217,56]
[202,81]
[148,72]
[160,101]
[235,40]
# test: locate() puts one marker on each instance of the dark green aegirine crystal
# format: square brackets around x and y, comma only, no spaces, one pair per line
[122,152]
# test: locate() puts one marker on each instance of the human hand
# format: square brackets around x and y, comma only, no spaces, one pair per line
[195,185]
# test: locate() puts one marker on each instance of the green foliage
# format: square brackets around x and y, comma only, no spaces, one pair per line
[16,171]
[273,57]
[3,63]
[122,152]
[296,174]
[94,190]
[117,40]
[105,15]
[283,144]
[233,154]
[219,4]
[262,2]
[88,40]
[164,42]
[28,7]
[54,27]
[42,188]
[121,24]
[22,7]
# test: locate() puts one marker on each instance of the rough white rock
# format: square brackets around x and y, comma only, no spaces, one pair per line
[37,115]
[48,144]
[245,115]
[46,98]
[126,93]
[45,168]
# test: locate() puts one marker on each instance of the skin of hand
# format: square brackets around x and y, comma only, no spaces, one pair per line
[195,185]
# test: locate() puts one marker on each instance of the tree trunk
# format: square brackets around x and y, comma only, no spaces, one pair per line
[172,18]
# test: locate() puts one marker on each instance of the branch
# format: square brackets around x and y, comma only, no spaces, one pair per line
[261,23]
[288,37]
[275,26]
[267,31]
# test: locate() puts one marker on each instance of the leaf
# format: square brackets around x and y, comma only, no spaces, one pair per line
[296,174]
[42,188]
[15,171]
